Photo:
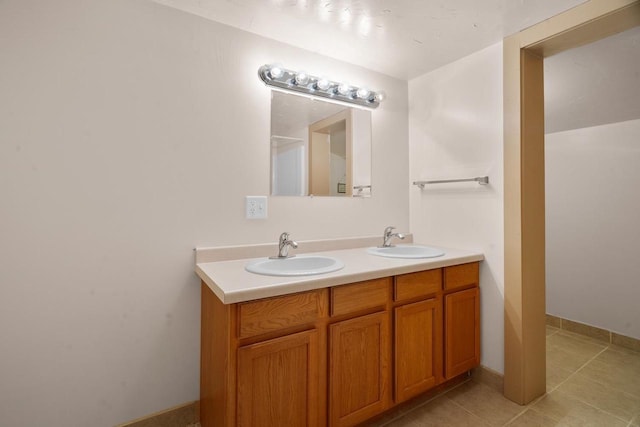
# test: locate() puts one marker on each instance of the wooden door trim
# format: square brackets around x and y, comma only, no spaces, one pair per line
[318,127]
[524,229]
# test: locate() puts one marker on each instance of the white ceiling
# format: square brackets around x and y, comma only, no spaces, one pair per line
[400,38]
[595,84]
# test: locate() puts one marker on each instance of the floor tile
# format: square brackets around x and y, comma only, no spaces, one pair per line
[485,402]
[441,412]
[383,421]
[565,359]
[615,375]
[489,378]
[619,356]
[570,411]
[533,418]
[555,376]
[399,411]
[589,383]
[575,343]
[611,400]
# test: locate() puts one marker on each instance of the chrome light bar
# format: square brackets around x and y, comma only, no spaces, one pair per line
[302,82]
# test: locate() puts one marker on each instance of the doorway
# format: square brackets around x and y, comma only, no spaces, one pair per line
[524,299]
[592,124]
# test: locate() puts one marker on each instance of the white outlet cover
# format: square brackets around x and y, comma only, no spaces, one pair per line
[256,207]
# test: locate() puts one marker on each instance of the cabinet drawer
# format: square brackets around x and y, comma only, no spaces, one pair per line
[271,314]
[360,296]
[419,284]
[460,276]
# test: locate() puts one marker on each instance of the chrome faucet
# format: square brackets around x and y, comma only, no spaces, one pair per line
[283,246]
[388,234]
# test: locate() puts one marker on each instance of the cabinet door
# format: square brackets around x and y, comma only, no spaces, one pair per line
[359,369]
[462,332]
[418,348]
[278,382]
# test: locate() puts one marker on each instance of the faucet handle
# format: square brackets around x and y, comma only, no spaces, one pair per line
[283,246]
[388,234]
[284,237]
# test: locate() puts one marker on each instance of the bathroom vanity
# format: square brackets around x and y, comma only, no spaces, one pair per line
[341,350]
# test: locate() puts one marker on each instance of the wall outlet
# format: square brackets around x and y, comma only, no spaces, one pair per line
[256,207]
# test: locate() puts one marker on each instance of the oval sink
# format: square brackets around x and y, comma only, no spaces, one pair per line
[406,251]
[294,266]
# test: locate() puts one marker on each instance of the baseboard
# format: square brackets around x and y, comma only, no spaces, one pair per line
[603,335]
[184,415]
[488,377]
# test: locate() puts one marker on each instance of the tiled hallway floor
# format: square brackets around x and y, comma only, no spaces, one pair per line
[589,383]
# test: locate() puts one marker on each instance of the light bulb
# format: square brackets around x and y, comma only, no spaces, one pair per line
[323,83]
[363,93]
[344,89]
[276,71]
[380,96]
[301,78]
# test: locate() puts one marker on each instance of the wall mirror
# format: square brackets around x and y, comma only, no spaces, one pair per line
[319,148]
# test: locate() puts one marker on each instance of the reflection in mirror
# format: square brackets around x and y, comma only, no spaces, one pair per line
[319,148]
[328,155]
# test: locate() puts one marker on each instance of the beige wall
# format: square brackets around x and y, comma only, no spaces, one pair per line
[455,131]
[592,233]
[130,134]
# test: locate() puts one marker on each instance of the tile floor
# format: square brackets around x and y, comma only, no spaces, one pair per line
[589,383]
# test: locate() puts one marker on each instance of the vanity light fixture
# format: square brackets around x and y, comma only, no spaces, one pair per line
[363,93]
[322,83]
[345,90]
[301,78]
[302,82]
[276,72]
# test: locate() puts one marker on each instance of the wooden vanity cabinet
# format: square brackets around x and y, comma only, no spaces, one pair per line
[359,352]
[358,369]
[461,319]
[263,362]
[278,381]
[336,356]
[417,333]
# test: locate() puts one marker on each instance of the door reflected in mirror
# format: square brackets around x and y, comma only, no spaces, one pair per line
[319,148]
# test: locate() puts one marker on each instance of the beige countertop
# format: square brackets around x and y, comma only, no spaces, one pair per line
[232,283]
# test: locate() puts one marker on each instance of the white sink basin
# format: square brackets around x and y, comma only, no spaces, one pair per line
[407,251]
[294,266]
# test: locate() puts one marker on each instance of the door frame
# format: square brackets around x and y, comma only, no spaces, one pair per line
[524,185]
